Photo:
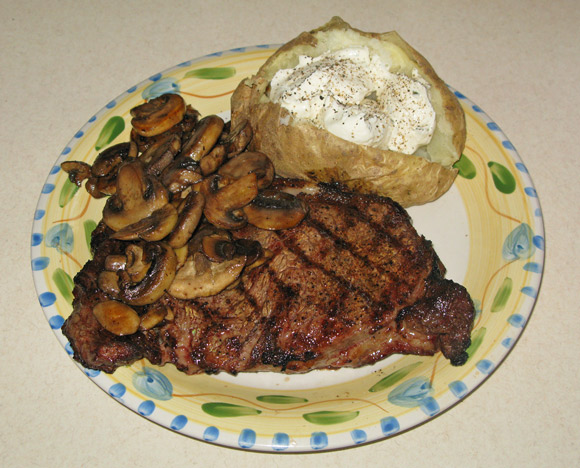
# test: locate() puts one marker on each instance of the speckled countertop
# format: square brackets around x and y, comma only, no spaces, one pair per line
[62,61]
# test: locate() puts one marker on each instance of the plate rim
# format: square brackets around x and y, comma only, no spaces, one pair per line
[103,381]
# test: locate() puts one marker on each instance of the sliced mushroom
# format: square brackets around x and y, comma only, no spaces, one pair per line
[182,129]
[190,211]
[161,155]
[274,210]
[238,138]
[157,280]
[218,247]
[158,115]
[108,282]
[182,173]
[265,255]
[155,314]
[99,187]
[203,138]
[137,265]
[137,196]
[115,262]
[77,171]
[181,254]
[221,205]
[213,160]
[109,161]
[200,277]
[246,163]
[252,249]
[154,227]
[116,317]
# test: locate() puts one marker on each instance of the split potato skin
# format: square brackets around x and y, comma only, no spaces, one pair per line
[299,149]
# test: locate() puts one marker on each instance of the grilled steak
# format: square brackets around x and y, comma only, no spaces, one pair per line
[349,286]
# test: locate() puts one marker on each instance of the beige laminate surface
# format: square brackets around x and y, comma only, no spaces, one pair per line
[62,61]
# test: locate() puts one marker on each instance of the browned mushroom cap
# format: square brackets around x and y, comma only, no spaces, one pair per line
[109,161]
[108,282]
[77,171]
[160,155]
[218,247]
[100,187]
[275,210]
[183,172]
[154,227]
[203,138]
[246,163]
[155,314]
[190,211]
[221,205]
[116,317]
[213,160]
[182,129]
[238,138]
[115,262]
[158,115]
[157,280]
[200,277]
[137,196]
[137,265]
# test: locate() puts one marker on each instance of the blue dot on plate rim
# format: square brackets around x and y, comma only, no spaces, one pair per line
[507,342]
[178,422]
[56,322]
[40,263]
[117,390]
[319,440]
[485,366]
[247,438]
[146,408]
[508,145]
[47,188]
[358,436]
[280,441]
[458,388]
[39,214]
[390,425]
[47,299]
[36,239]
[211,434]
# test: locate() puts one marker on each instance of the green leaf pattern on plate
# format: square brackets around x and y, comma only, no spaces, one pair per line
[64,284]
[503,179]
[476,339]
[111,130]
[67,192]
[228,410]
[89,226]
[465,167]
[326,418]
[394,377]
[502,295]
[215,73]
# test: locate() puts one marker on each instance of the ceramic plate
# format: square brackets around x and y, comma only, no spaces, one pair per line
[487,229]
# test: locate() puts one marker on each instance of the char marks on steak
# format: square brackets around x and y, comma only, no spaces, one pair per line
[349,286]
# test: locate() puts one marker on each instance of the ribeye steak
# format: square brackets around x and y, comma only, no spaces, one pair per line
[349,286]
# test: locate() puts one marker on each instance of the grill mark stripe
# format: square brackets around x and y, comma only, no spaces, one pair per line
[290,244]
[379,231]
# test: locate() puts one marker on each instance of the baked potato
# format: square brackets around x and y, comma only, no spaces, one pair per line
[300,149]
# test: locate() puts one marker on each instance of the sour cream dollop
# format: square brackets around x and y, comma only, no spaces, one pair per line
[352,94]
